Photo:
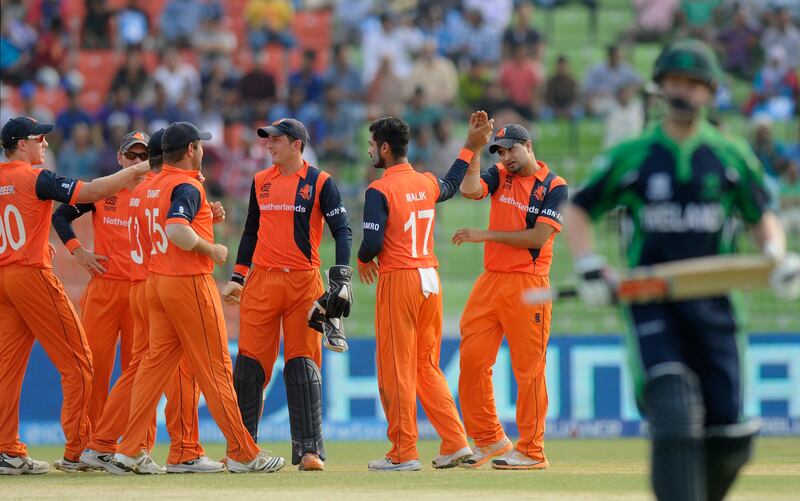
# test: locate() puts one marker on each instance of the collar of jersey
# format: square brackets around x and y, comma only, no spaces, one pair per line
[189,173]
[397,168]
[683,151]
[302,172]
[15,163]
[542,173]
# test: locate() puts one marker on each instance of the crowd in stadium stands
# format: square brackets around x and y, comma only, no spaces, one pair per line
[221,64]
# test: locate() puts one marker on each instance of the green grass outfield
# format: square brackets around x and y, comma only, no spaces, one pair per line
[580,469]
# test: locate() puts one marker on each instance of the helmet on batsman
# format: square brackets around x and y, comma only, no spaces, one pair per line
[690,58]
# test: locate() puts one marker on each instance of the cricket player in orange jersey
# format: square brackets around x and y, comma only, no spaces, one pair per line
[186,317]
[289,202]
[33,304]
[399,215]
[185,453]
[105,303]
[518,249]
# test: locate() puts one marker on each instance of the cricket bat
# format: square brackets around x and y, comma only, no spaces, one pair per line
[679,280]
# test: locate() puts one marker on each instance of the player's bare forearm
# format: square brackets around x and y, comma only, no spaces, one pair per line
[769,235]
[532,238]
[578,231]
[185,238]
[471,185]
[108,185]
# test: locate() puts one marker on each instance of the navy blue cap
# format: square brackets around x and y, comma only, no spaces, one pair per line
[286,127]
[21,127]
[180,134]
[154,145]
[508,136]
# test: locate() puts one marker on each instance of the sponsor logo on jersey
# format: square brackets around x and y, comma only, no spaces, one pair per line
[336,211]
[670,217]
[509,181]
[281,208]
[659,187]
[371,226]
[7,190]
[305,192]
[264,192]
[519,205]
[540,192]
[115,221]
[711,187]
[134,202]
[110,203]
[153,193]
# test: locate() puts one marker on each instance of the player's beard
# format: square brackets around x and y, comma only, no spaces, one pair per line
[380,163]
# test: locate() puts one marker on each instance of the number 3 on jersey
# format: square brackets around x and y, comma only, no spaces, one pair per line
[11,215]
[411,224]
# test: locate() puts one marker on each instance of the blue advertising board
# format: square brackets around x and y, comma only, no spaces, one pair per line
[589,387]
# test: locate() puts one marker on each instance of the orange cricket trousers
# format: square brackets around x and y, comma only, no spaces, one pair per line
[495,308]
[272,297]
[182,393]
[34,306]
[186,320]
[409,338]
[106,318]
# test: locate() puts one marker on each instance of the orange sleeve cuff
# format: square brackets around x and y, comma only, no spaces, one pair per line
[466,155]
[72,244]
[550,222]
[241,269]
[177,220]
[74,198]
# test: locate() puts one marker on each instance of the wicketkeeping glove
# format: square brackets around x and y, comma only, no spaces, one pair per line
[332,329]
[340,291]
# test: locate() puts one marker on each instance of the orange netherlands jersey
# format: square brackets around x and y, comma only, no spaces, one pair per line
[410,201]
[26,205]
[520,203]
[177,197]
[291,218]
[110,225]
[139,231]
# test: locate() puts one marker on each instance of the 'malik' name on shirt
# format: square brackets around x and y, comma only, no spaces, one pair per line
[416,197]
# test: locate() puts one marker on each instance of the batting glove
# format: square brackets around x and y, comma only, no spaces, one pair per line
[340,291]
[595,286]
[785,279]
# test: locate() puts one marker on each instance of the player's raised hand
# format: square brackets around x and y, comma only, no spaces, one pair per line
[468,235]
[90,261]
[218,212]
[480,131]
[367,272]
[219,253]
[232,292]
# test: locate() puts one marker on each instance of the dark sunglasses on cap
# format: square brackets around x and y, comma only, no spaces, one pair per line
[133,156]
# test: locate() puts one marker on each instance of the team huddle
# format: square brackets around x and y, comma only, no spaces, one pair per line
[152,291]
